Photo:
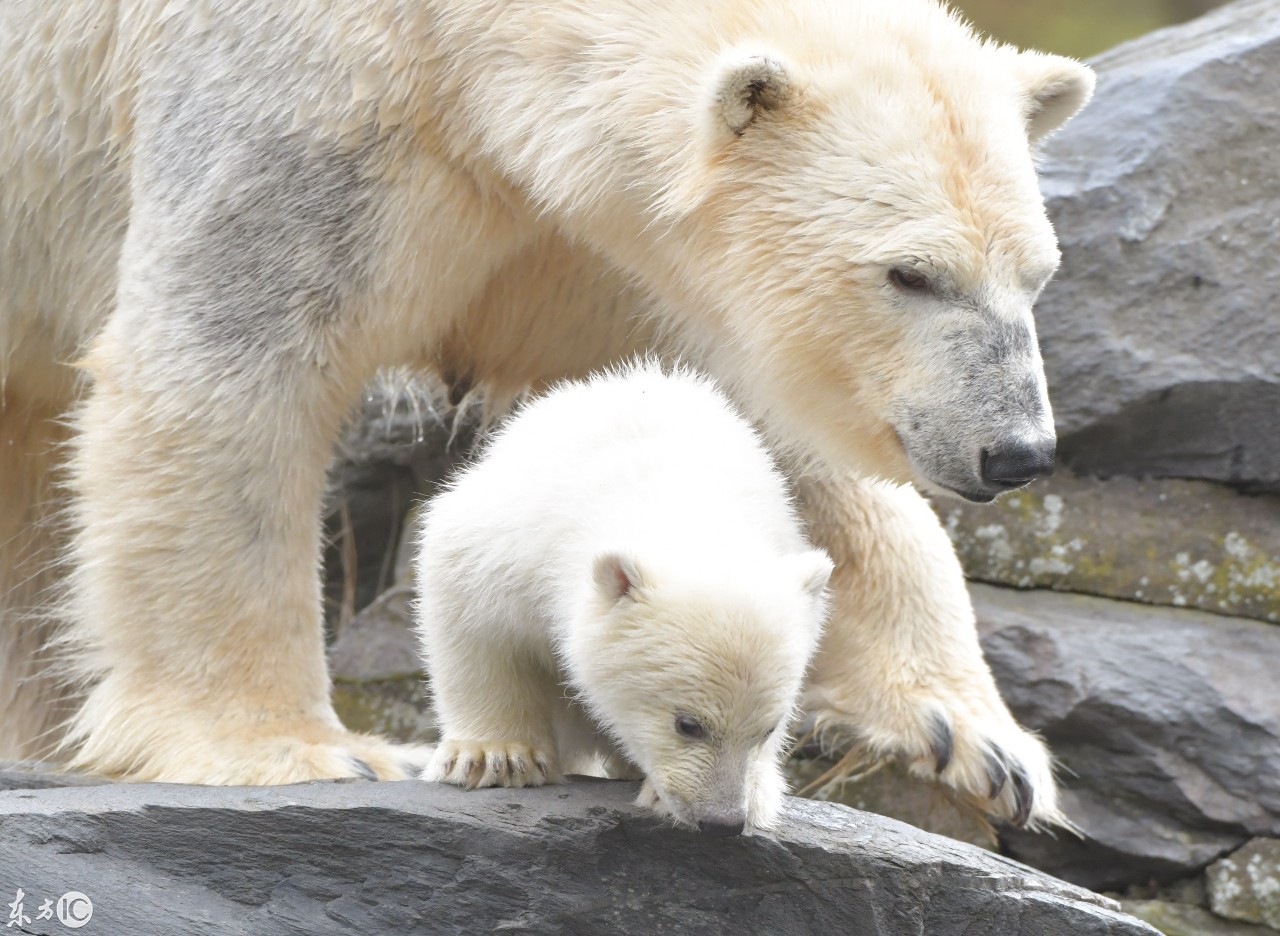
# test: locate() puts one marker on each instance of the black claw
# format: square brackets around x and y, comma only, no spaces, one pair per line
[943,743]
[996,771]
[362,769]
[1022,795]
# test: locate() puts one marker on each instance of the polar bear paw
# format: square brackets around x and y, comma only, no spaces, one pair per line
[993,762]
[969,744]
[291,753]
[475,764]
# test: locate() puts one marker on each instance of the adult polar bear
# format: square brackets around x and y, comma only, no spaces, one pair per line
[231,214]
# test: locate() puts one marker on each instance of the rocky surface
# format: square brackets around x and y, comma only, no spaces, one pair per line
[1246,884]
[1179,543]
[402,440]
[1160,335]
[377,675]
[1179,919]
[37,775]
[891,791]
[1166,723]
[371,858]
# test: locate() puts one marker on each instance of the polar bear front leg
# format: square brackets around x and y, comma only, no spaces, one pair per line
[900,672]
[495,706]
[195,608]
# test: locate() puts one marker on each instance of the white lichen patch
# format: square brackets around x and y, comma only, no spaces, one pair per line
[1050,520]
[1237,546]
[995,539]
[1246,885]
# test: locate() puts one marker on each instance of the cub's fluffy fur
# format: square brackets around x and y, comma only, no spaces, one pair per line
[622,576]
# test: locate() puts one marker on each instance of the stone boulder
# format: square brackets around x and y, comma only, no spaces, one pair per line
[1178,919]
[1160,334]
[398,858]
[400,442]
[1246,884]
[1182,543]
[1166,723]
[378,683]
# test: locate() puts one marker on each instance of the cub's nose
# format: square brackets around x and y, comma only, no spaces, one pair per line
[721,826]
[1012,466]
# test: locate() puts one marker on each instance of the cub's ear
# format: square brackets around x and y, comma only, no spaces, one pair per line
[813,569]
[744,83]
[1054,89]
[617,576]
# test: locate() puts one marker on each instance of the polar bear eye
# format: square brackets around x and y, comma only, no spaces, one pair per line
[690,727]
[909,280]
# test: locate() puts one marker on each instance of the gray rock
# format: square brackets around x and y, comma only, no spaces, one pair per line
[39,775]
[372,858]
[1246,884]
[1166,723]
[1175,919]
[1182,543]
[401,442]
[1160,336]
[379,642]
[377,675]
[891,791]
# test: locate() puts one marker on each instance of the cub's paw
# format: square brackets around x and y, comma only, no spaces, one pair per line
[473,764]
[765,790]
[649,799]
[971,745]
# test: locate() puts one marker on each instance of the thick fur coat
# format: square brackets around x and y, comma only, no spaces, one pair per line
[219,218]
[621,579]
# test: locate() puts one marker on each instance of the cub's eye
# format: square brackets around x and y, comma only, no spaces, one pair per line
[690,727]
[909,280]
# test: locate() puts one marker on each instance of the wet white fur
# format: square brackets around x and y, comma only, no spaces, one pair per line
[624,552]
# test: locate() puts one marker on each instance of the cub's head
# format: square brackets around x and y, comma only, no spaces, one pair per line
[872,235]
[696,676]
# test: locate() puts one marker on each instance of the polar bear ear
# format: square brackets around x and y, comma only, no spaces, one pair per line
[1054,88]
[814,570]
[617,576]
[744,83]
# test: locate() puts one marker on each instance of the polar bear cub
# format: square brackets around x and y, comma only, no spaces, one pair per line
[621,581]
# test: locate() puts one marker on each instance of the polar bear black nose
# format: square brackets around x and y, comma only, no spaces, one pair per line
[717,828]
[1012,466]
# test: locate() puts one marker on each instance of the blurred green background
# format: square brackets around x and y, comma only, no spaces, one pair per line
[1077,27]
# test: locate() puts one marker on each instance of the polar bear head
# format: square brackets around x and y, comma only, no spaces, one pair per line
[695,678]
[849,193]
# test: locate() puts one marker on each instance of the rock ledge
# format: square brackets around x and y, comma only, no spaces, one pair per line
[372,858]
